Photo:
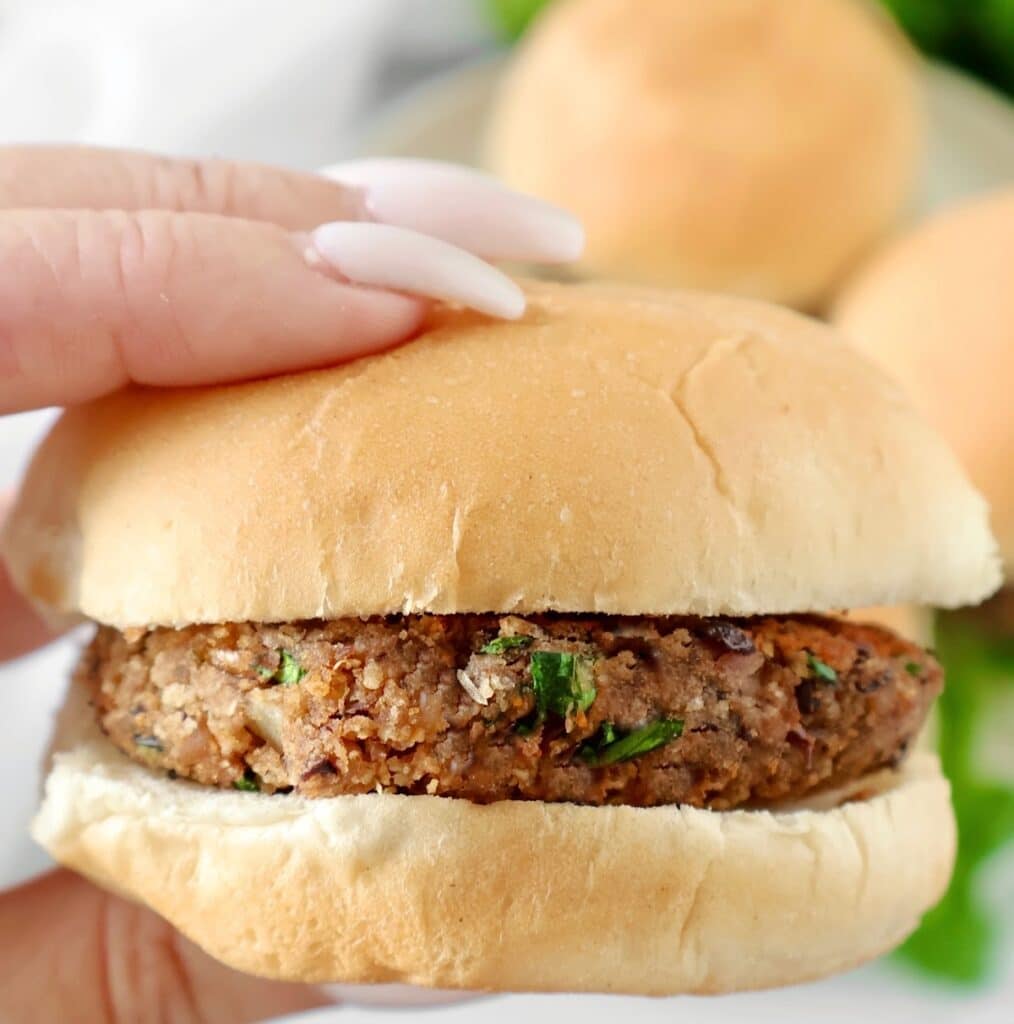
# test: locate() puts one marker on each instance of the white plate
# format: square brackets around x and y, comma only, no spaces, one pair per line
[971,146]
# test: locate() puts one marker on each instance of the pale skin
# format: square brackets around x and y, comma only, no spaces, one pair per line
[120,268]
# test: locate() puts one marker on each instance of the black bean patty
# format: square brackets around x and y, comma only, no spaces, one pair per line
[591,709]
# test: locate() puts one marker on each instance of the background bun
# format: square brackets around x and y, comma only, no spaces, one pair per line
[751,146]
[936,308]
[914,622]
[432,891]
[615,451]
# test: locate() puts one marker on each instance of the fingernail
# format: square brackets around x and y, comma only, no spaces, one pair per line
[405,261]
[465,208]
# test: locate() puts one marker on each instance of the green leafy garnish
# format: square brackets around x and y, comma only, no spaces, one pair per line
[959,939]
[249,783]
[607,749]
[502,644]
[563,683]
[288,673]
[821,670]
[913,668]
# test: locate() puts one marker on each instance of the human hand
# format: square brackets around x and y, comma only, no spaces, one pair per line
[120,268]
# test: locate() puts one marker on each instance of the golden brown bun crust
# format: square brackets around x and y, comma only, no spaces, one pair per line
[751,146]
[508,896]
[617,451]
[936,309]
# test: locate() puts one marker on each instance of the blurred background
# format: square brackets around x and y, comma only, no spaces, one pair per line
[977,35]
[797,150]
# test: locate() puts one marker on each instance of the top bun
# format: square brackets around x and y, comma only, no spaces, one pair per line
[936,308]
[751,146]
[614,451]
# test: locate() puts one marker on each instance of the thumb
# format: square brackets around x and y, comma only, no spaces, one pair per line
[73,952]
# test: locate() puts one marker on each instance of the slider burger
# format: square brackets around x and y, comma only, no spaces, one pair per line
[503,660]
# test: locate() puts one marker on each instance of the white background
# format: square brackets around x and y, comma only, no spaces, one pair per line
[292,83]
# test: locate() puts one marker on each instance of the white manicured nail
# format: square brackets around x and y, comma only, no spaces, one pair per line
[465,208]
[406,261]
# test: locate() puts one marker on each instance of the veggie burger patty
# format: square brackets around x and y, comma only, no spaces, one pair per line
[592,709]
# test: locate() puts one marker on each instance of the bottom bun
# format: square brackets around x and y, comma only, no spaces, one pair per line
[510,896]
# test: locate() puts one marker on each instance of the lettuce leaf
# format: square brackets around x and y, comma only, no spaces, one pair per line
[511,17]
[958,940]
[975,34]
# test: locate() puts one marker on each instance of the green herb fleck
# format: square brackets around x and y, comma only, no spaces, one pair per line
[913,668]
[148,742]
[502,644]
[607,749]
[288,673]
[526,726]
[821,669]
[961,939]
[249,783]
[563,683]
